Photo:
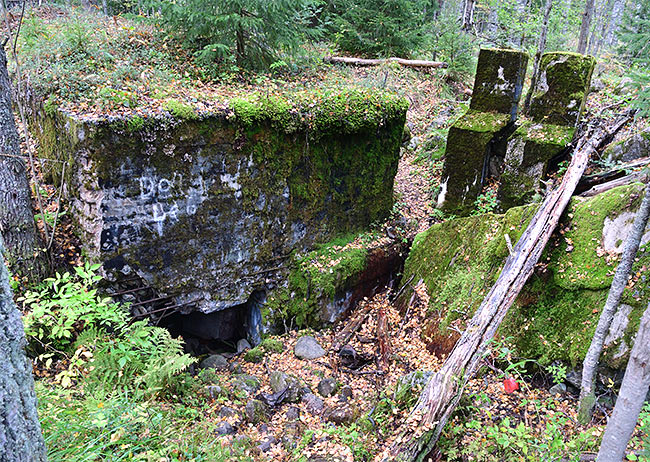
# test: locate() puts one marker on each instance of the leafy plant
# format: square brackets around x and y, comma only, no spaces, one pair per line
[485,203]
[67,304]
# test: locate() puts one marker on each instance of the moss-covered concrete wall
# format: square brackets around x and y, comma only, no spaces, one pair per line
[555,315]
[209,207]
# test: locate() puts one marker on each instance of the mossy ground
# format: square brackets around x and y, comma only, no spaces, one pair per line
[556,313]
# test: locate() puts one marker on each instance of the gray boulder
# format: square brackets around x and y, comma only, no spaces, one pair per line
[314,404]
[256,411]
[217,362]
[327,387]
[308,348]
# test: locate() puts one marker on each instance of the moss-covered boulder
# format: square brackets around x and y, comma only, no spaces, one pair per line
[557,103]
[554,317]
[561,92]
[499,80]
[207,207]
[473,137]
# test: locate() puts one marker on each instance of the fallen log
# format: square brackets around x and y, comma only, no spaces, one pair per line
[444,389]
[589,181]
[414,63]
[641,176]
[351,328]
[385,347]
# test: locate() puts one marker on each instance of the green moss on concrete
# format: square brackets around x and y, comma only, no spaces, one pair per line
[561,95]
[482,122]
[556,313]
[180,110]
[499,79]
[320,113]
[315,280]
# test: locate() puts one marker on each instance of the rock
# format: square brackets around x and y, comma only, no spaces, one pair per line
[224,428]
[341,414]
[327,387]
[628,149]
[308,348]
[243,345]
[327,458]
[597,85]
[313,403]
[217,362]
[558,389]
[574,378]
[624,86]
[235,368]
[291,434]
[293,413]
[255,411]
[248,383]
[346,393]
[214,391]
[267,443]
[279,381]
[226,411]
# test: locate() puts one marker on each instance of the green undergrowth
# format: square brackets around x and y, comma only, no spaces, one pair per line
[82,427]
[316,279]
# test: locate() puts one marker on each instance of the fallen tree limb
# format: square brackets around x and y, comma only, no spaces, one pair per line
[385,347]
[444,389]
[351,327]
[414,63]
[589,181]
[642,176]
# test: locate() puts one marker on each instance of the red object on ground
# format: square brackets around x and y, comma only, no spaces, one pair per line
[510,385]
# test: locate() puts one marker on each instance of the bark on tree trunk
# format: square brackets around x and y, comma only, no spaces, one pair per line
[443,391]
[467,18]
[617,14]
[20,432]
[17,224]
[541,46]
[586,24]
[587,393]
[630,398]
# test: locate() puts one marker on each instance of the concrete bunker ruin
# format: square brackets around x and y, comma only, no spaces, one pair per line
[489,141]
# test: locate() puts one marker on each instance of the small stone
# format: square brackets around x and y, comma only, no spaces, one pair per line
[226,411]
[341,414]
[291,434]
[263,428]
[214,391]
[346,393]
[217,362]
[558,389]
[255,411]
[267,443]
[248,383]
[279,381]
[243,345]
[314,403]
[308,348]
[224,428]
[327,387]
[293,413]
[235,368]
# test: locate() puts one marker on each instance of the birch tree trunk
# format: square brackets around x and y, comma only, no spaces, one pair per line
[585,27]
[541,46]
[17,224]
[20,432]
[630,398]
[587,389]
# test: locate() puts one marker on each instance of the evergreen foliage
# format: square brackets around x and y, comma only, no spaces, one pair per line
[380,27]
[251,33]
[635,35]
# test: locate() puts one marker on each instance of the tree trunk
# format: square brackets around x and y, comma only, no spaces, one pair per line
[586,25]
[587,392]
[541,46]
[631,397]
[17,224]
[598,39]
[413,63]
[467,18]
[443,391]
[20,432]
[617,14]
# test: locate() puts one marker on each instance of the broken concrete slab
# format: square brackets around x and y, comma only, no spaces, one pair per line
[497,89]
